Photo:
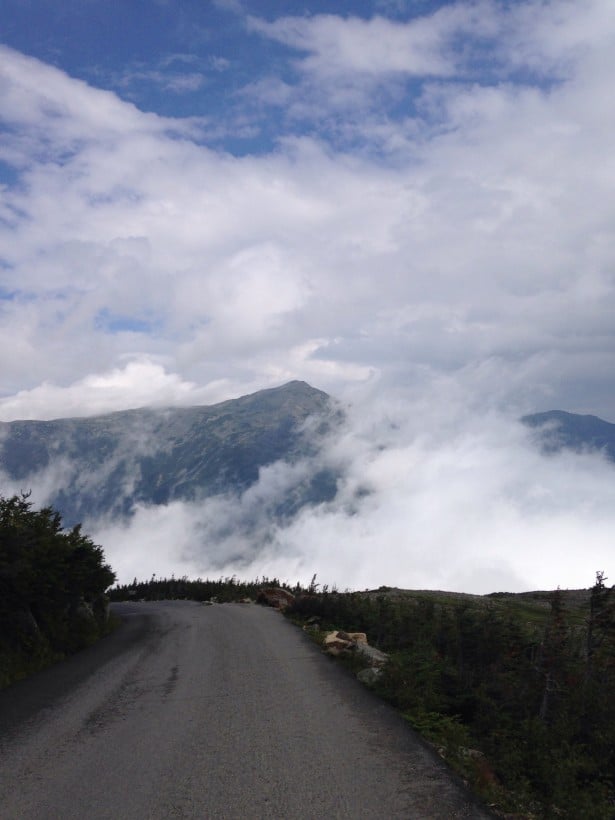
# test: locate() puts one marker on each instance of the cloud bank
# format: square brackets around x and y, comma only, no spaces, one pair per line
[475,508]
[477,511]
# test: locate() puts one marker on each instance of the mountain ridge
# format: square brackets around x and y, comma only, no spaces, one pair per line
[106,463]
[559,429]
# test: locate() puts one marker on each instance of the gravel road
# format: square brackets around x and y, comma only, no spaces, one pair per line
[226,711]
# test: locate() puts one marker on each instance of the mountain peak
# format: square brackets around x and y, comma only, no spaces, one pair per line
[110,463]
[558,429]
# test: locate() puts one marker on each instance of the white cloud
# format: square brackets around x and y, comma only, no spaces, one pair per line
[140,382]
[556,36]
[479,510]
[269,91]
[150,544]
[378,46]
[458,39]
[56,109]
[486,238]
[174,81]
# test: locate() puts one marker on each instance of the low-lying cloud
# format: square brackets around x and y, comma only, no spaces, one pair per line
[421,503]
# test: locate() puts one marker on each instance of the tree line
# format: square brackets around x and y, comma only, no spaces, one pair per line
[222,590]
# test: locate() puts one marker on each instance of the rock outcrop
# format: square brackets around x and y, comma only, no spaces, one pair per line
[275,597]
[340,643]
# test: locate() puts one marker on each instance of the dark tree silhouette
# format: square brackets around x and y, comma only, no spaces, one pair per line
[52,588]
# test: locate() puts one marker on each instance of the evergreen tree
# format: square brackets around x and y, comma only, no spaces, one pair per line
[52,586]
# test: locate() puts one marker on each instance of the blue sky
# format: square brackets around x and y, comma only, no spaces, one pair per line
[407,204]
[176,59]
[235,65]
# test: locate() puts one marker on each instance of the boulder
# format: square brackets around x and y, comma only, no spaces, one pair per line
[338,642]
[335,644]
[354,637]
[275,597]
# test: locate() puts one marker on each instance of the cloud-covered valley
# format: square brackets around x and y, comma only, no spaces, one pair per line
[475,508]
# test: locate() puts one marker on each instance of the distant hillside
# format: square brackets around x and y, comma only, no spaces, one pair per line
[105,464]
[557,430]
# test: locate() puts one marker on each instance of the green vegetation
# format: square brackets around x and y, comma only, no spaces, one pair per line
[515,692]
[52,585]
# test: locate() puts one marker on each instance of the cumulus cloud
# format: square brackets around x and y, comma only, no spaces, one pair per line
[480,37]
[140,382]
[54,110]
[473,247]
[378,46]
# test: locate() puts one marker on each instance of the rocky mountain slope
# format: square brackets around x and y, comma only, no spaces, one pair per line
[105,464]
[89,468]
